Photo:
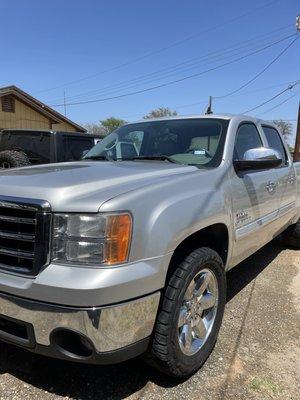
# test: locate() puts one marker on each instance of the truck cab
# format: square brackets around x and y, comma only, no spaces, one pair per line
[30,147]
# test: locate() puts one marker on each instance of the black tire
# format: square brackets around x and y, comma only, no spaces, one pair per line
[165,352]
[291,236]
[13,159]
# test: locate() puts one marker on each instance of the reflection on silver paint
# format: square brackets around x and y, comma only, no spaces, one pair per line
[108,328]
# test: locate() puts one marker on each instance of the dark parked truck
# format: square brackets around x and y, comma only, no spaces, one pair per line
[19,148]
[126,251]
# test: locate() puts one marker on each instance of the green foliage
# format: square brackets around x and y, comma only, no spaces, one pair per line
[112,123]
[105,126]
[160,112]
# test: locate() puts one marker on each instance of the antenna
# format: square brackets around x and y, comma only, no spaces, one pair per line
[209,107]
[65,105]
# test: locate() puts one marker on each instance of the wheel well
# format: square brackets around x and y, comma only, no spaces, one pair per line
[215,237]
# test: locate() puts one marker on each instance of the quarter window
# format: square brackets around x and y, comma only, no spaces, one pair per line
[275,142]
[247,138]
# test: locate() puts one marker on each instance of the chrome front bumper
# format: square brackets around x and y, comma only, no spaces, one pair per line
[108,328]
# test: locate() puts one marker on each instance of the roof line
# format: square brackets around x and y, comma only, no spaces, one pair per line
[43,108]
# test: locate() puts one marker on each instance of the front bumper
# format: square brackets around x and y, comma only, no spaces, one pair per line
[108,329]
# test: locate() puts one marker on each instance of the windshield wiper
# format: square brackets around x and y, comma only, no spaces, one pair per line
[98,158]
[154,158]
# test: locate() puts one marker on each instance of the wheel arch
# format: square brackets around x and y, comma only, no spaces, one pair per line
[215,236]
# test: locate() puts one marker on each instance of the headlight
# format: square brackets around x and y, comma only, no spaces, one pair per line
[91,238]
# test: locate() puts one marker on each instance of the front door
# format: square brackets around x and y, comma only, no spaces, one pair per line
[254,198]
[287,191]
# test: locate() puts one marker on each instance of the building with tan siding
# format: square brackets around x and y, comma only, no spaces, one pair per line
[19,110]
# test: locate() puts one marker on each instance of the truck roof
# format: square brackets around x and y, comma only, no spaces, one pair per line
[52,132]
[204,116]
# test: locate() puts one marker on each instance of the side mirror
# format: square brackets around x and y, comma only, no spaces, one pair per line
[259,158]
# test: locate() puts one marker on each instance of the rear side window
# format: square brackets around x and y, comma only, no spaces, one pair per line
[36,145]
[247,138]
[275,142]
[74,148]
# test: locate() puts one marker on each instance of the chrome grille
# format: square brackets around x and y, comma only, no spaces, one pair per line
[24,235]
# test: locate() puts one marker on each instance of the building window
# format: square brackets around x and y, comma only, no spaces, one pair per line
[8,104]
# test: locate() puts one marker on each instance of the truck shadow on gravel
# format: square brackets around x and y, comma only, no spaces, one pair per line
[109,382]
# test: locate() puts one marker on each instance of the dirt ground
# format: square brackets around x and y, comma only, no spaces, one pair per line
[256,357]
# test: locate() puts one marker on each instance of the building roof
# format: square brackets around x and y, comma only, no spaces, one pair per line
[37,105]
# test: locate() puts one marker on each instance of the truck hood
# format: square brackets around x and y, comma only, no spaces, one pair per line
[84,186]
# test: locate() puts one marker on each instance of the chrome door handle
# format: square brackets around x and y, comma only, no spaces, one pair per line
[291,179]
[271,186]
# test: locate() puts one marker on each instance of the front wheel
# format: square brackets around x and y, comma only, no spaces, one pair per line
[190,315]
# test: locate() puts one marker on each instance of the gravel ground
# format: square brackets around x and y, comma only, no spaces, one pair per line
[257,355]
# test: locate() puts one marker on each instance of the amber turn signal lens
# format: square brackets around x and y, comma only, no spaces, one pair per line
[118,236]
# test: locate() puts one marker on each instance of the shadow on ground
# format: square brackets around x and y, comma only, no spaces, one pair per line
[118,381]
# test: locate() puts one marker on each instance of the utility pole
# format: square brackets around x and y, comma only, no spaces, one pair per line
[297,144]
[65,105]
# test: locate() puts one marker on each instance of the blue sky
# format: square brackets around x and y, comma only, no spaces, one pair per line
[80,46]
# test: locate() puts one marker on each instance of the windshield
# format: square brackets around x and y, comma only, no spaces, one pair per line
[197,142]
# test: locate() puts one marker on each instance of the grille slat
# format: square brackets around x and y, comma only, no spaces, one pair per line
[24,235]
[17,220]
[16,253]
[17,236]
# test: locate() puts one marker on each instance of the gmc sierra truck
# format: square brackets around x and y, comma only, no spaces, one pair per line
[126,251]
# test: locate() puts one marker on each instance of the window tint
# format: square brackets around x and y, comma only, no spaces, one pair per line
[35,144]
[247,138]
[74,148]
[275,142]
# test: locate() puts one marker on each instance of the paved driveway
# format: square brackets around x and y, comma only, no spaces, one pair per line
[257,355]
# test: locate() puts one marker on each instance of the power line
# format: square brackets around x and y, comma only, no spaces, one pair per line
[279,104]
[165,71]
[260,72]
[170,82]
[290,87]
[162,49]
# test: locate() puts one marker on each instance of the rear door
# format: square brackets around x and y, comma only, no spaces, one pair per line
[286,176]
[254,197]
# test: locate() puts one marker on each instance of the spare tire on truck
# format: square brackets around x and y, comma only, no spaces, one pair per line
[13,159]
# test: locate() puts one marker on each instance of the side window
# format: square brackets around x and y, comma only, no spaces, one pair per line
[275,142]
[74,147]
[247,138]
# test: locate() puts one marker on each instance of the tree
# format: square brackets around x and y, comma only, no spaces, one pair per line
[112,123]
[160,112]
[95,128]
[286,128]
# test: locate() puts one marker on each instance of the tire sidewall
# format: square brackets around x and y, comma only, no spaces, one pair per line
[192,363]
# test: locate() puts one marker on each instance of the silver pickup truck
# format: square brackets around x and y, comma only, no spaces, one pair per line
[126,251]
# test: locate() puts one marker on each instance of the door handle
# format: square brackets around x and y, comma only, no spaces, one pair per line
[291,179]
[271,186]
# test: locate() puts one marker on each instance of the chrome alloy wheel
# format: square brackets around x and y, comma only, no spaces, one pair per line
[197,312]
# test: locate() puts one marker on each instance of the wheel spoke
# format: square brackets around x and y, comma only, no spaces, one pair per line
[186,337]
[208,301]
[190,290]
[200,329]
[203,284]
[182,316]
